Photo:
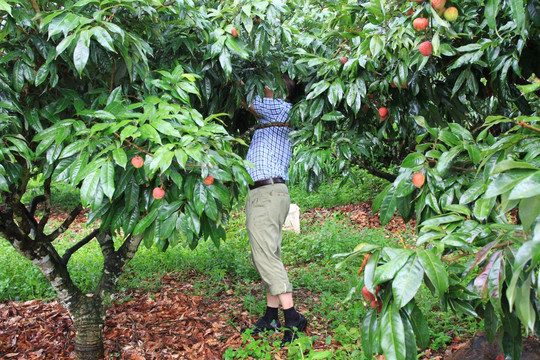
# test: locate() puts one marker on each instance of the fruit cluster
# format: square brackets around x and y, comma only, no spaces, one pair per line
[159,192]
[374,300]
[421,23]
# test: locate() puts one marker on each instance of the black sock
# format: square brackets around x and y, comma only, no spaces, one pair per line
[270,314]
[291,315]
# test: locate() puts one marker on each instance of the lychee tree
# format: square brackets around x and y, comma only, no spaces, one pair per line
[85,100]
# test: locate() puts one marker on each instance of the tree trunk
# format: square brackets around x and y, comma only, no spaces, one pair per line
[88,320]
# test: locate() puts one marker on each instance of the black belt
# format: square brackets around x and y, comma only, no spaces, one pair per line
[259,183]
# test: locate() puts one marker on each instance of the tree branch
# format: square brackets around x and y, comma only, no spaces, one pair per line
[263,126]
[35,6]
[35,202]
[65,225]
[77,246]
[114,263]
[47,210]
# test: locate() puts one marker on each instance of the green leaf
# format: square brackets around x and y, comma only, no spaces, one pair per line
[510,165]
[103,37]
[376,45]
[41,74]
[461,209]
[388,208]
[518,12]
[483,207]
[387,271]
[369,271]
[473,192]
[3,183]
[526,188]
[419,324]
[107,179]
[490,12]
[237,47]
[4,6]
[407,281]
[370,334]
[506,181]
[524,308]
[131,195]
[146,221]
[434,270]
[523,255]
[529,210]
[491,322]
[64,44]
[413,160]
[446,159]
[88,188]
[81,54]
[379,198]
[444,219]
[225,61]
[18,76]
[392,334]
[410,338]
[120,157]
[200,197]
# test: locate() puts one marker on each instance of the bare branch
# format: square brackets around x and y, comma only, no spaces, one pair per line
[77,246]
[35,202]
[47,210]
[65,225]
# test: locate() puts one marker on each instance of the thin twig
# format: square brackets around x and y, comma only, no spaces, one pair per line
[528,126]
[131,143]
[166,4]
[457,257]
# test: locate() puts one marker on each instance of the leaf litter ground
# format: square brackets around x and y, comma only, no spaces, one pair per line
[173,322]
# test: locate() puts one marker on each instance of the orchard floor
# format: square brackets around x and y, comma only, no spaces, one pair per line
[172,323]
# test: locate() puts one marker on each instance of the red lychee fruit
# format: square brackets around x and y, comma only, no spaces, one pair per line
[209,180]
[420,24]
[451,13]
[418,179]
[158,193]
[438,4]
[234,32]
[425,48]
[137,161]
[343,60]
[383,113]
[369,296]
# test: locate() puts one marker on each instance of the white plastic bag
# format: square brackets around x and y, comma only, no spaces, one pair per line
[292,222]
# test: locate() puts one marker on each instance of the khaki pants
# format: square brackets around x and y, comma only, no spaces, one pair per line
[266,210]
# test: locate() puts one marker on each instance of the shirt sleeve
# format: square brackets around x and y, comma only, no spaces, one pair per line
[269,109]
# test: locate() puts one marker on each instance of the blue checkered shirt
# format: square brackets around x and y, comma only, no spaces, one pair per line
[270,148]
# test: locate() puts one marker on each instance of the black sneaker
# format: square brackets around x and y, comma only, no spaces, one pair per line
[291,331]
[262,325]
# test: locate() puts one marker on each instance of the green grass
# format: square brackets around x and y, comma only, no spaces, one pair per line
[309,256]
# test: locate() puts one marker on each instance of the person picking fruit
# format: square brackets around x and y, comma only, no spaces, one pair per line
[267,206]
